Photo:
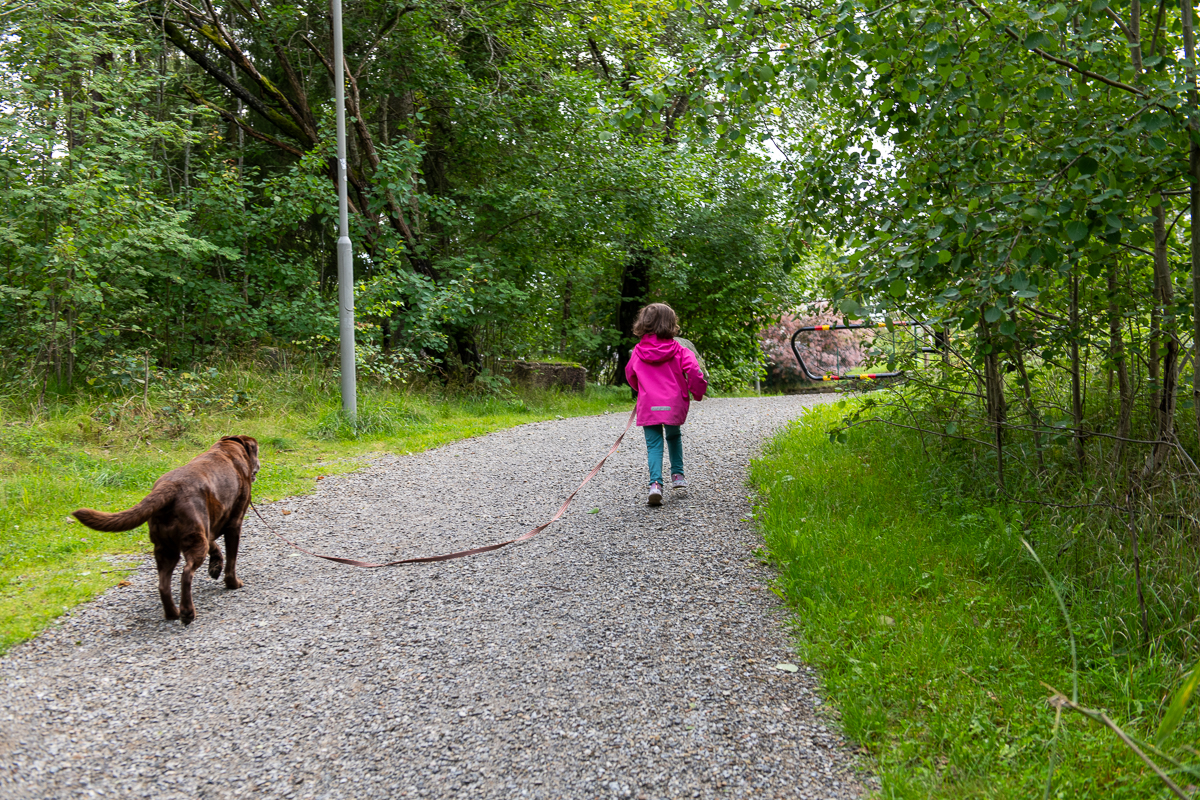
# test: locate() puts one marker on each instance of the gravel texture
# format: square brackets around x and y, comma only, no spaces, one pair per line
[629,652]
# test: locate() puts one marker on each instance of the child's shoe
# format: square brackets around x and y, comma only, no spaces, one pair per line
[678,481]
[655,495]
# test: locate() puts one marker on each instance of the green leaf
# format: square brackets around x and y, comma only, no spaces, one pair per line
[1077,231]
[992,313]
[1087,165]
[1178,705]
[1037,39]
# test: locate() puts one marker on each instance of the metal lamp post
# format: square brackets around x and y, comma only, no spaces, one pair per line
[345,253]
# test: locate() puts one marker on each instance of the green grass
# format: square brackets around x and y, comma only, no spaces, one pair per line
[85,450]
[935,629]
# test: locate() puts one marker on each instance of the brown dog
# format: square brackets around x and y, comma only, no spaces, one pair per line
[189,509]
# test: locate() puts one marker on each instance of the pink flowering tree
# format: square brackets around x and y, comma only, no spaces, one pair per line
[822,351]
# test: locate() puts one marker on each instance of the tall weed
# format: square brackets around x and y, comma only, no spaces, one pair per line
[936,630]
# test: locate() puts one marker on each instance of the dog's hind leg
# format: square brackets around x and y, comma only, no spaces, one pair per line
[233,537]
[215,560]
[166,557]
[193,554]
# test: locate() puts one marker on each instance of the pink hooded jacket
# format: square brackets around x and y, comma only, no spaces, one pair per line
[662,372]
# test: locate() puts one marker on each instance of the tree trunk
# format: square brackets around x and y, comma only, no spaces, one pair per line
[1076,379]
[72,319]
[1035,419]
[463,341]
[55,351]
[1193,101]
[1165,394]
[1116,354]
[1160,291]
[993,378]
[1135,37]
[634,286]
[1137,573]
[566,316]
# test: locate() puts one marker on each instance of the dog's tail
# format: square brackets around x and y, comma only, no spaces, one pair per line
[127,520]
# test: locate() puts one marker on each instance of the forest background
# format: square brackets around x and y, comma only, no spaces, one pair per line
[168,188]
[1025,175]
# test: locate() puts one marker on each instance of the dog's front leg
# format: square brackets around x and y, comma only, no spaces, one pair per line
[233,537]
[166,558]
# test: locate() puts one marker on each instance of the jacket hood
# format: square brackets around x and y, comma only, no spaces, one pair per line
[654,350]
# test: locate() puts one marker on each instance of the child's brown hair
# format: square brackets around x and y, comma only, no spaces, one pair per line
[656,318]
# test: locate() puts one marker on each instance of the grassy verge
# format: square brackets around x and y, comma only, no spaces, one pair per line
[105,453]
[935,629]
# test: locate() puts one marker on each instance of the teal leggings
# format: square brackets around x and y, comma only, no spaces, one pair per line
[654,450]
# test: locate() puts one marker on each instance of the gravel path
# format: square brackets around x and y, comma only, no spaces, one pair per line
[629,652]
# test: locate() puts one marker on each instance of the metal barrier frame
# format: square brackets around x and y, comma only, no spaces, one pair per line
[864,377]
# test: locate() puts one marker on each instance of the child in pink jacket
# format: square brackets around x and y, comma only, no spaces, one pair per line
[662,372]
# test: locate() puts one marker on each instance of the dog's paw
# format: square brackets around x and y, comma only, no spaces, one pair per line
[186,617]
[214,568]
[236,583]
[171,616]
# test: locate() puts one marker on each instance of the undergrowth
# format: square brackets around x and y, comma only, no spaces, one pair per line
[105,448]
[938,633]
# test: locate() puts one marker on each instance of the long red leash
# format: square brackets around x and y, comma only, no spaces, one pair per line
[474,551]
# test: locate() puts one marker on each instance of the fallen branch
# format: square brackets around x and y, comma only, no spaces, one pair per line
[1060,701]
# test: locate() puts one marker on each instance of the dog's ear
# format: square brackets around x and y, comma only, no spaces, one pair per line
[250,445]
[248,442]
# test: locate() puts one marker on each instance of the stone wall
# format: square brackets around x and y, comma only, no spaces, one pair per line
[546,375]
